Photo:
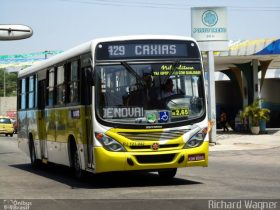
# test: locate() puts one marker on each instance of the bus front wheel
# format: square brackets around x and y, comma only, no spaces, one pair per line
[167,173]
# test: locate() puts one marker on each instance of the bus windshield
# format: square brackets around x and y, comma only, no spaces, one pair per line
[154,93]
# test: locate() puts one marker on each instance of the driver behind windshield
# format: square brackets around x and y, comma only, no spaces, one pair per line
[167,89]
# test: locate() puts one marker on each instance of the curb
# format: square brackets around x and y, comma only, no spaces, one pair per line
[240,141]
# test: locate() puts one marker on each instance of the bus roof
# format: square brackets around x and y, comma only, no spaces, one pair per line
[81,49]
[86,47]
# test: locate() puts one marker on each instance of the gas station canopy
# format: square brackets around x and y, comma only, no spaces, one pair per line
[245,51]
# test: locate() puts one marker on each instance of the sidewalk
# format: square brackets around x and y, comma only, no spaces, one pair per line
[245,141]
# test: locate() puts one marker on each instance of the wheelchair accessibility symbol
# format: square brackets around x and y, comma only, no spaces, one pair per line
[163,116]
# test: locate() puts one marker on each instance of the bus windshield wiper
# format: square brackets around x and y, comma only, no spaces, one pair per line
[133,72]
[173,67]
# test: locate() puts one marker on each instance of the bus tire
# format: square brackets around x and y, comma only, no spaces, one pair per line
[33,159]
[167,173]
[77,166]
[75,162]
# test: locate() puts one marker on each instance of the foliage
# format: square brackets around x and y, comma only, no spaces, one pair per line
[255,112]
[11,83]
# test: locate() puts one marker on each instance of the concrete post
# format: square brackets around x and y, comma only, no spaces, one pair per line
[245,89]
[256,83]
[211,95]
[4,83]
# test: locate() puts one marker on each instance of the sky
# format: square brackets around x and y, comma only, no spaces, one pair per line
[63,24]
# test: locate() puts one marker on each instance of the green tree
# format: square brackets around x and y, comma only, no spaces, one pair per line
[11,83]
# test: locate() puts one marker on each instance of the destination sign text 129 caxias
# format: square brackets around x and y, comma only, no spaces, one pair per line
[144,49]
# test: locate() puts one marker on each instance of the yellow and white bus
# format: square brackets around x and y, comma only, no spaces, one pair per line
[117,104]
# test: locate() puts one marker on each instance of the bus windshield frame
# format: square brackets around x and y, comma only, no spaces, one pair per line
[122,69]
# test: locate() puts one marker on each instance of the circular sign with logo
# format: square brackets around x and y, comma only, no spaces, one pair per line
[151,117]
[210,18]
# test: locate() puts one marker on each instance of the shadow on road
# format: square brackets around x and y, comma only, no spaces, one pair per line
[64,175]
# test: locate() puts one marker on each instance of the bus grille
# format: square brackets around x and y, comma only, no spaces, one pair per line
[164,146]
[155,158]
[153,136]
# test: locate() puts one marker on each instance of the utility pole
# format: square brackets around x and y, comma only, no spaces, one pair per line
[4,83]
[13,32]
[46,54]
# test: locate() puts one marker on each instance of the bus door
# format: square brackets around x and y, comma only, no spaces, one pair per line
[41,118]
[87,100]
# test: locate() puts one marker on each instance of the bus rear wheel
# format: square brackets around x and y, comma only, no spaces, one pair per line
[167,173]
[76,164]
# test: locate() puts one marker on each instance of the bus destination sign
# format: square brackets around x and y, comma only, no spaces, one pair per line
[142,50]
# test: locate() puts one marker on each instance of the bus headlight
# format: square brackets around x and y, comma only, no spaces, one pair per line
[197,139]
[109,143]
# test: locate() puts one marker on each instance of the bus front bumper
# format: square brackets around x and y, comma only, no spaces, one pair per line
[107,161]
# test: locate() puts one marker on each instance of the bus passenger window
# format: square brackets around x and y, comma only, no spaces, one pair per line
[50,86]
[74,83]
[23,94]
[60,94]
[31,93]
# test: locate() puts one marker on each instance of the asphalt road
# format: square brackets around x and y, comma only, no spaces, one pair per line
[248,174]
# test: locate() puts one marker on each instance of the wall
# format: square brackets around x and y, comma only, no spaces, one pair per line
[270,91]
[271,95]
[7,104]
[229,99]
[226,94]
